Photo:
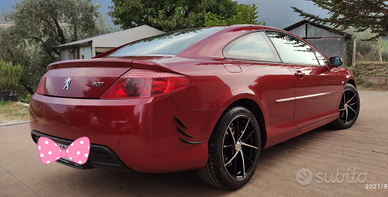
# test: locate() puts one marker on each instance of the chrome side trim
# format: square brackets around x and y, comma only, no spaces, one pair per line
[306,97]
[285,101]
[314,96]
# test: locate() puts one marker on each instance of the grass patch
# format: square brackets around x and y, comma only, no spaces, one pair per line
[13,111]
[367,84]
[2,102]
[359,81]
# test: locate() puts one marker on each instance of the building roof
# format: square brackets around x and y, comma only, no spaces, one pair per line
[115,39]
[303,22]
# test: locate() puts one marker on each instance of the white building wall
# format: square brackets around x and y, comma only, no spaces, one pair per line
[64,55]
[85,52]
[122,37]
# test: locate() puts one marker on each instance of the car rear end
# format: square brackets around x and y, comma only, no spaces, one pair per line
[129,114]
[124,102]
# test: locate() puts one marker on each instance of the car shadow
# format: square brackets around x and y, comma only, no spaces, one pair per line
[119,183]
[108,182]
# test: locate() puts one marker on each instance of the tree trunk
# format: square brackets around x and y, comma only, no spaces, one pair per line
[75,33]
[354,53]
[28,88]
[379,50]
[59,31]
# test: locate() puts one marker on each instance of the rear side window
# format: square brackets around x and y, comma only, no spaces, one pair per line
[169,43]
[293,50]
[254,46]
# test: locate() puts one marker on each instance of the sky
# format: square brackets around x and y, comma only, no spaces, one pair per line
[276,13]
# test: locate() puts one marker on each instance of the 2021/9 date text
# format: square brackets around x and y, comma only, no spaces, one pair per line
[376,186]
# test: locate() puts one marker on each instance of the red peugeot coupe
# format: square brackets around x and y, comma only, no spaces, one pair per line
[206,99]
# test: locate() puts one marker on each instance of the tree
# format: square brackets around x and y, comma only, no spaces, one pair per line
[246,14]
[39,25]
[360,14]
[9,75]
[22,52]
[169,15]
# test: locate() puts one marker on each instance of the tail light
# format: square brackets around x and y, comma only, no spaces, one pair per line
[145,83]
[41,85]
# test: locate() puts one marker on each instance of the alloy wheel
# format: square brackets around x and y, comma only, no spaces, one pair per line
[349,107]
[240,147]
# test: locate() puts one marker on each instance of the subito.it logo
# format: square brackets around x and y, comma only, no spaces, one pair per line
[304,176]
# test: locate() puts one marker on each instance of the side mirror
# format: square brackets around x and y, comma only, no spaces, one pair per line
[336,61]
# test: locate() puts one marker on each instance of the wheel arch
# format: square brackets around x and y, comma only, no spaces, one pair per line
[253,107]
[351,81]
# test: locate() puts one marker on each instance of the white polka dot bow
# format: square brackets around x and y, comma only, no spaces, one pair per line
[49,151]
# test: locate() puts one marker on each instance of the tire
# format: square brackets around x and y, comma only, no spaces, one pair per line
[349,108]
[233,157]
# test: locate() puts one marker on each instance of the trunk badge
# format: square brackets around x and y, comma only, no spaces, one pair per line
[67,83]
[97,84]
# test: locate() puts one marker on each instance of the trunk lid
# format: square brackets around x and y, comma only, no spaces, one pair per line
[83,78]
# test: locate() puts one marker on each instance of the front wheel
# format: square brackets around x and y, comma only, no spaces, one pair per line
[234,150]
[349,108]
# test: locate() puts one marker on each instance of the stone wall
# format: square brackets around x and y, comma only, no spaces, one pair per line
[374,72]
[373,69]
[375,80]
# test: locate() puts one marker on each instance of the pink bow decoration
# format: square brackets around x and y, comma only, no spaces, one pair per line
[49,151]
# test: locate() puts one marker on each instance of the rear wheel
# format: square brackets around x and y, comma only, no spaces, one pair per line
[349,108]
[234,150]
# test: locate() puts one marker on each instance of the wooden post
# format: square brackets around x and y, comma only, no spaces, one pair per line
[354,53]
[378,45]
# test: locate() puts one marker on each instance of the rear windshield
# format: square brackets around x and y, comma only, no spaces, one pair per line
[170,43]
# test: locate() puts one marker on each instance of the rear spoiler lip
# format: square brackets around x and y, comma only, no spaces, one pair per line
[112,62]
[91,63]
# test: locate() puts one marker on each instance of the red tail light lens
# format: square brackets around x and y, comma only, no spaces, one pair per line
[145,83]
[41,85]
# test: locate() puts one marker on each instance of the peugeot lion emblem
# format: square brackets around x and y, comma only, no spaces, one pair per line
[67,83]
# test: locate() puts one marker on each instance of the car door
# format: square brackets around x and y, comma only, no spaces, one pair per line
[268,79]
[317,89]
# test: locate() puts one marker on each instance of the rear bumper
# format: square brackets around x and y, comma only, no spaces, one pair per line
[135,134]
[99,157]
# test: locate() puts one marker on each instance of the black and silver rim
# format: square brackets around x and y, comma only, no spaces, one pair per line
[349,107]
[240,147]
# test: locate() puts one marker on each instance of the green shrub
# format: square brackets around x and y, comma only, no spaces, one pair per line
[2,103]
[368,84]
[359,81]
[9,75]
[26,99]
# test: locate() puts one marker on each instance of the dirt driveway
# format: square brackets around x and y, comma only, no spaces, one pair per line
[338,163]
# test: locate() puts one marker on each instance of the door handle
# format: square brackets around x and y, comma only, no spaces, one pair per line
[299,74]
